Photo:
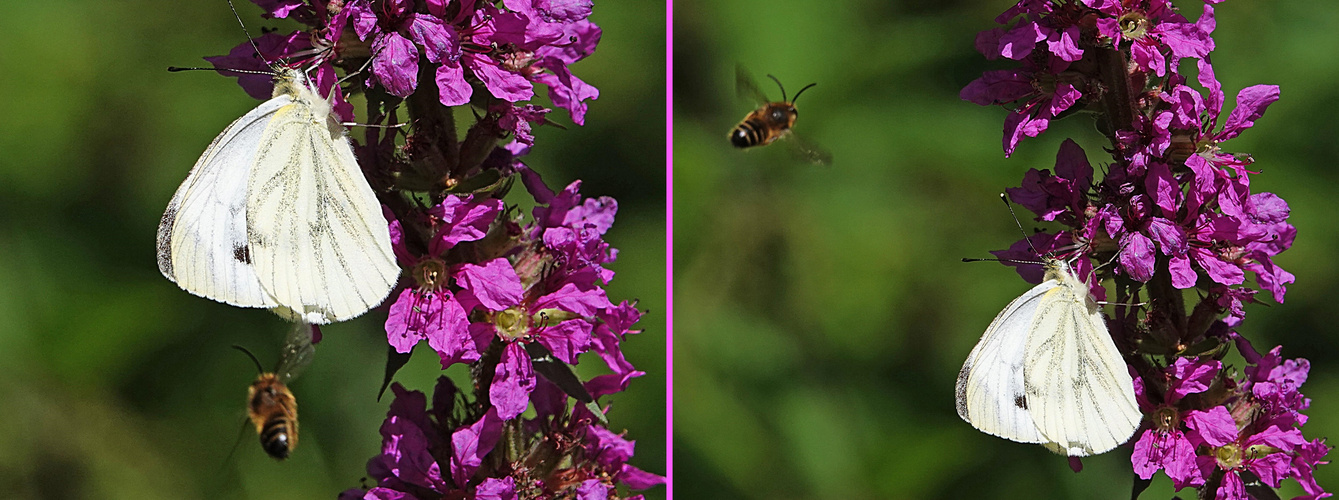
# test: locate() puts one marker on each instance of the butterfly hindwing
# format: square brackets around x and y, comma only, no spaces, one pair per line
[319,242]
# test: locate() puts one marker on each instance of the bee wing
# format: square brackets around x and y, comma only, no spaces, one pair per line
[747,88]
[807,151]
[297,354]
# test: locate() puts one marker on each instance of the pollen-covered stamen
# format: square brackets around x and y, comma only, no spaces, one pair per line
[1166,419]
[431,274]
[512,323]
[1134,25]
[1229,456]
[515,60]
[1232,253]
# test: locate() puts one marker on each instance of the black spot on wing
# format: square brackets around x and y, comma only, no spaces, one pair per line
[1020,400]
[241,253]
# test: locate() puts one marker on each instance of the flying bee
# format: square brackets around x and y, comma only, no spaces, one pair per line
[269,403]
[772,120]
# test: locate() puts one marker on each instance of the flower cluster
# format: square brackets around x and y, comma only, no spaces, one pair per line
[1172,211]
[517,299]
[1212,431]
[460,45]
[452,451]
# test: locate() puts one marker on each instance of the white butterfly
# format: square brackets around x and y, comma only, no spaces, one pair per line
[276,213]
[1046,371]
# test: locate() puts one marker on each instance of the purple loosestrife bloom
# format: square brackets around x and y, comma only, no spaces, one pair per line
[1153,29]
[1265,454]
[1165,446]
[444,452]
[430,310]
[561,319]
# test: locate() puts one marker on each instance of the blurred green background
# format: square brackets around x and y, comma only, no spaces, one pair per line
[822,314]
[114,383]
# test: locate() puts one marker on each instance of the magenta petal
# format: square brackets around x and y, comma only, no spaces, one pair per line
[494,284]
[638,479]
[998,87]
[612,383]
[1183,276]
[570,298]
[496,489]
[512,382]
[503,84]
[1271,469]
[1219,270]
[1064,44]
[364,20]
[1163,188]
[1232,488]
[1146,455]
[1017,43]
[1185,40]
[1147,56]
[1065,96]
[1190,377]
[607,447]
[273,47]
[448,333]
[451,84]
[566,90]
[1179,463]
[1136,256]
[464,220]
[592,489]
[396,64]
[567,339]
[380,493]
[1251,104]
[439,42]
[470,444]
[564,11]
[1215,426]
[405,324]
[1170,237]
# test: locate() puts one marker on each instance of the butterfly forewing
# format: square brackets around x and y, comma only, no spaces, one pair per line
[319,243]
[990,389]
[1081,392]
[202,244]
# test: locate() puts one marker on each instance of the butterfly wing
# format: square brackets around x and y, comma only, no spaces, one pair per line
[202,242]
[990,389]
[1080,391]
[319,242]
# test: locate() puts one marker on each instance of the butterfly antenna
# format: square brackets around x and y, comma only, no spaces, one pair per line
[783,88]
[247,33]
[249,355]
[175,69]
[797,94]
[361,69]
[1005,198]
[1009,261]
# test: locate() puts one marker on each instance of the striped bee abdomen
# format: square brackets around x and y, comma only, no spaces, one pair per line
[748,133]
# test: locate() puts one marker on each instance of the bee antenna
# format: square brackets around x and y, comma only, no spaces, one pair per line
[797,94]
[252,356]
[783,88]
